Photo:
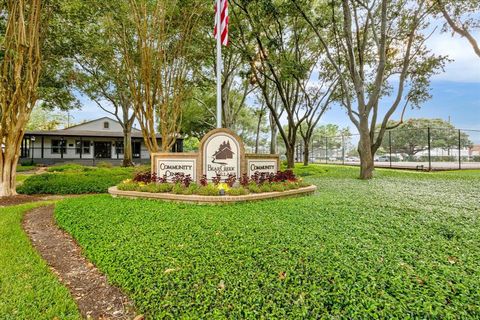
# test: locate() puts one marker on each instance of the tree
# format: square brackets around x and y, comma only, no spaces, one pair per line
[155,42]
[316,99]
[411,137]
[282,56]
[19,78]
[44,119]
[100,71]
[377,49]
[461,17]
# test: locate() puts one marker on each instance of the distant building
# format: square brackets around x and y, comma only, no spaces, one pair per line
[474,150]
[87,143]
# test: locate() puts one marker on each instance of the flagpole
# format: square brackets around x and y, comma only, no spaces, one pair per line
[219,65]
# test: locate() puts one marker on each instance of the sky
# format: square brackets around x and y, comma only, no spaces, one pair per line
[455,92]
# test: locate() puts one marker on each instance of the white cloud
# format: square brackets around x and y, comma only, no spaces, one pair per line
[466,64]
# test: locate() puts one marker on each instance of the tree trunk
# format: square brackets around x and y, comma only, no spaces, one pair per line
[8,171]
[273,136]
[290,156]
[127,147]
[367,165]
[306,152]
[259,123]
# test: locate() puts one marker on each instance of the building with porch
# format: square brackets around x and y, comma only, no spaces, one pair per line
[99,140]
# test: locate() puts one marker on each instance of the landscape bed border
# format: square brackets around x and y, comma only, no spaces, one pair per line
[215,200]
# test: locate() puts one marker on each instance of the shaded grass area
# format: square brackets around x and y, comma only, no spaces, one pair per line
[74,179]
[21,168]
[28,289]
[405,244]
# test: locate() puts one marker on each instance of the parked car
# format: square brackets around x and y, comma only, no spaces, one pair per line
[383,159]
[352,159]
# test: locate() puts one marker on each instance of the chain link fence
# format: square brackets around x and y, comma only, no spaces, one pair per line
[422,149]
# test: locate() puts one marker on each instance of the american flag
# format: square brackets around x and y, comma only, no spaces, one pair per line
[223,21]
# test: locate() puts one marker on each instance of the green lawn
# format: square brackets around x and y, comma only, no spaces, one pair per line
[21,168]
[28,290]
[403,245]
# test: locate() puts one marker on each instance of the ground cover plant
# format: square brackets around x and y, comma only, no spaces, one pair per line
[74,179]
[28,289]
[403,245]
[183,184]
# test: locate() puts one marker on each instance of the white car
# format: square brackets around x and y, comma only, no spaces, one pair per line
[351,159]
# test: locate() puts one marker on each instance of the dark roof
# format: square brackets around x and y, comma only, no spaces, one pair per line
[83,133]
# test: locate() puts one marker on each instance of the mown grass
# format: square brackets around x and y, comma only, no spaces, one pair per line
[21,168]
[28,290]
[404,245]
[74,179]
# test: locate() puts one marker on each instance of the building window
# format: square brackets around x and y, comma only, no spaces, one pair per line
[119,147]
[136,149]
[82,147]
[59,146]
[106,125]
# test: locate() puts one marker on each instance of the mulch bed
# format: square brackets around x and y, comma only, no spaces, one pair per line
[95,297]
[20,199]
[23,198]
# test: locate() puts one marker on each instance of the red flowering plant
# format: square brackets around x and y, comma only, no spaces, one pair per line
[145,177]
[217,179]
[204,181]
[244,180]
[230,180]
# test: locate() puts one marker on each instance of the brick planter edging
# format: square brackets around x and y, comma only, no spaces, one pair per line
[211,199]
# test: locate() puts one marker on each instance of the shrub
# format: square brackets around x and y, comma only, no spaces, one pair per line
[265,187]
[230,180]
[187,180]
[157,187]
[277,187]
[128,185]
[289,185]
[237,191]
[286,175]
[253,187]
[191,189]
[261,178]
[87,180]
[177,188]
[204,181]
[71,167]
[145,177]
[182,184]
[244,180]
[217,179]
[208,190]
[27,163]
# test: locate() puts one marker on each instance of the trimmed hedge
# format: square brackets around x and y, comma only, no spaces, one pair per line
[74,180]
